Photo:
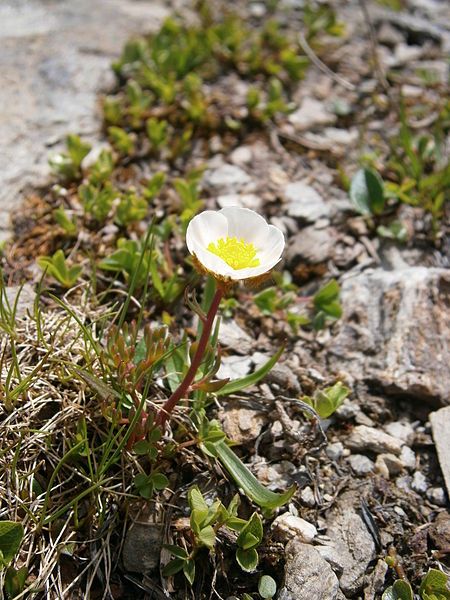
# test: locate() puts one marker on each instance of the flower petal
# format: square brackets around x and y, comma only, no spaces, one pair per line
[204,228]
[273,244]
[247,224]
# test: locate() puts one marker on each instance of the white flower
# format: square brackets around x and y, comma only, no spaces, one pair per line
[234,243]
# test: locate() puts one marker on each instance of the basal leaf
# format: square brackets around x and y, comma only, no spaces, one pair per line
[401,590]
[366,192]
[267,588]
[11,534]
[247,559]
[245,479]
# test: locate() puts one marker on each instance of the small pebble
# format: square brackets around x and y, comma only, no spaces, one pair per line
[404,482]
[400,430]
[419,483]
[334,451]
[408,458]
[287,527]
[391,463]
[360,464]
[307,497]
[436,495]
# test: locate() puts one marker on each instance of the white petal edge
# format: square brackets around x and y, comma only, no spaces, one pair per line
[246,224]
[205,228]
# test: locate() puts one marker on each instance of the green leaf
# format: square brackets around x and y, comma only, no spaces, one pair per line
[267,587]
[11,535]
[248,482]
[401,590]
[239,384]
[207,536]
[189,570]
[329,293]
[15,581]
[434,586]
[251,534]
[366,192]
[173,567]
[247,559]
[196,500]
[77,149]
[176,551]
[144,485]
[160,481]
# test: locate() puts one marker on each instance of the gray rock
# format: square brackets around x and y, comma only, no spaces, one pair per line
[351,546]
[234,337]
[234,367]
[360,464]
[307,497]
[436,495]
[335,450]
[22,297]
[287,527]
[440,426]
[408,458]
[310,113]
[307,575]
[56,59]
[311,245]
[419,483]
[242,155]
[304,202]
[227,178]
[400,429]
[395,331]
[369,438]
[142,546]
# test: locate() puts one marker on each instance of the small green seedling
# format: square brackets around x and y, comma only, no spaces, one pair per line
[326,402]
[57,267]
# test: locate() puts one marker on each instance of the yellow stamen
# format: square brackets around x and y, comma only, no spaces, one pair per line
[236,253]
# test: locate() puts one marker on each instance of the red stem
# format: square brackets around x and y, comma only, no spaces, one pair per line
[184,386]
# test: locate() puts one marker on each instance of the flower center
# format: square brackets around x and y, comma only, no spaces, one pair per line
[238,254]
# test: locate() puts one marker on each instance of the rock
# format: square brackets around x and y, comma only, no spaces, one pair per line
[307,497]
[408,458]
[436,495]
[377,578]
[389,465]
[351,547]
[439,532]
[401,430]
[304,202]
[276,476]
[142,546]
[311,245]
[419,483]
[227,178]
[287,527]
[251,201]
[404,482]
[360,464]
[334,451]
[440,426]
[310,113]
[242,155]
[234,337]
[369,438]
[395,331]
[307,575]
[26,296]
[240,423]
[233,367]
[55,60]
